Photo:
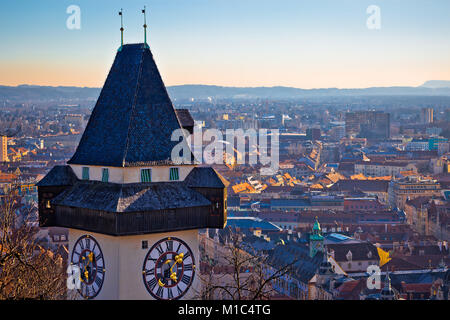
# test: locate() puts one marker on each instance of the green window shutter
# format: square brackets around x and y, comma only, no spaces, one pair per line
[174,174]
[85,175]
[146,175]
[105,175]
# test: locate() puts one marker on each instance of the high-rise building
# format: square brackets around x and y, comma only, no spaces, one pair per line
[368,124]
[3,149]
[426,115]
[133,212]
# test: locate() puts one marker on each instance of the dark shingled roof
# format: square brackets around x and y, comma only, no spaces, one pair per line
[58,176]
[133,119]
[185,118]
[360,251]
[361,185]
[304,267]
[205,177]
[134,197]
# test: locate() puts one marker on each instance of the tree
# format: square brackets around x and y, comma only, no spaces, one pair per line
[242,274]
[27,270]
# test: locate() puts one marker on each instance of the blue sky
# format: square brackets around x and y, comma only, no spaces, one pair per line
[300,43]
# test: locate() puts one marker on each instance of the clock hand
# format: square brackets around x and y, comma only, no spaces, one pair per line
[178,260]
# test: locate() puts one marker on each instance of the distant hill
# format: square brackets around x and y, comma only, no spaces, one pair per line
[24,93]
[205,91]
[437,84]
[44,93]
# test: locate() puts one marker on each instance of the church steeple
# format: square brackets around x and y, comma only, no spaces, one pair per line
[316,239]
[387,293]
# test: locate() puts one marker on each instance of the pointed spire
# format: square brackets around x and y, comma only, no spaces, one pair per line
[121,29]
[387,281]
[387,293]
[316,226]
[145,29]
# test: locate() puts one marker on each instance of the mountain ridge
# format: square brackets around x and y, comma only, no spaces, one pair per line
[199,91]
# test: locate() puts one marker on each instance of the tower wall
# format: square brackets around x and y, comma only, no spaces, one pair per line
[124,259]
[131,174]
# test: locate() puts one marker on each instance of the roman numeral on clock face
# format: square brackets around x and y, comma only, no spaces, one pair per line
[87,291]
[98,281]
[152,283]
[169,245]
[169,293]
[185,279]
[160,292]
[159,249]
[179,290]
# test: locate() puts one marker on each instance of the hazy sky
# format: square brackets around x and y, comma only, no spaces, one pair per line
[299,43]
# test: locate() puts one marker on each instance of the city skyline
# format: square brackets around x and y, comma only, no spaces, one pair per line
[266,43]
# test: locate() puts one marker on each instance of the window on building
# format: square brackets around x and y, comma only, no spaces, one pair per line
[47,204]
[85,175]
[174,175]
[146,175]
[105,175]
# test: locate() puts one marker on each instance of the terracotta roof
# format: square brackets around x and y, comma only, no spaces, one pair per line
[418,202]
[416,287]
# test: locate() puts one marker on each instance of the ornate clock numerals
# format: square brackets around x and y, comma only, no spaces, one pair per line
[88,257]
[167,273]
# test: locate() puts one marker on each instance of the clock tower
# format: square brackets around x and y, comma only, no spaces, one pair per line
[316,239]
[133,213]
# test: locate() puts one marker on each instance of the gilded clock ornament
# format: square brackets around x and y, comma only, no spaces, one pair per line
[88,257]
[169,269]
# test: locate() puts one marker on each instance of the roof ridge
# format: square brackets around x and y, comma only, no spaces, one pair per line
[133,109]
[119,198]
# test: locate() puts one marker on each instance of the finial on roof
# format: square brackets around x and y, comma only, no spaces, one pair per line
[121,29]
[145,29]
[316,224]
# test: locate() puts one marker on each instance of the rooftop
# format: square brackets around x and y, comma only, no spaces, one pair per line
[133,119]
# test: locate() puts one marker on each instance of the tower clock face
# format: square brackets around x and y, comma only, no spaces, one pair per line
[88,256]
[169,269]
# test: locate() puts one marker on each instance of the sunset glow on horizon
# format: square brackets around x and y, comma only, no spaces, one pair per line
[304,44]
